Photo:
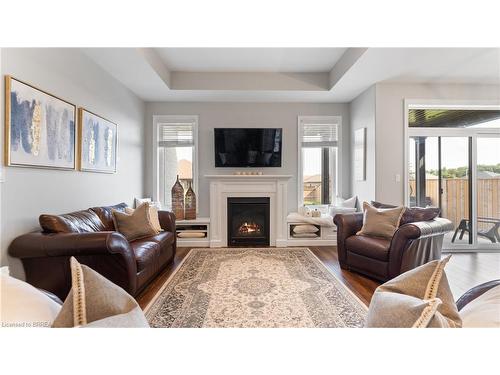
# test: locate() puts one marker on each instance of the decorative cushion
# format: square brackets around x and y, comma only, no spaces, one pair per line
[349,203]
[94,301]
[305,228]
[418,298]
[413,214]
[371,247]
[105,213]
[191,234]
[484,311]
[22,305]
[139,201]
[380,222]
[135,225]
[74,222]
[153,215]
[334,210]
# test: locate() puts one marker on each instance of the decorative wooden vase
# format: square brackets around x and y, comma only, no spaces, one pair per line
[178,200]
[190,204]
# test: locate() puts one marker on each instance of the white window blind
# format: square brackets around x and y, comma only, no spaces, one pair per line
[176,134]
[319,135]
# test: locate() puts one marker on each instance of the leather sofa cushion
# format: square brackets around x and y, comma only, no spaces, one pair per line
[413,214]
[74,222]
[371,247]
[106,214]
[163,238]
[146,252]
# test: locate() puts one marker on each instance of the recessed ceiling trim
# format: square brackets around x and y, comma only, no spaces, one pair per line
[346,62]
[250,81]
[157,64]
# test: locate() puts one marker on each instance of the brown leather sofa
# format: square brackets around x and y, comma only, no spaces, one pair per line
[90,236]
[414,243]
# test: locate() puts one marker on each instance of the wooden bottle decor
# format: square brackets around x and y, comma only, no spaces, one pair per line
[190,204]
[178,200]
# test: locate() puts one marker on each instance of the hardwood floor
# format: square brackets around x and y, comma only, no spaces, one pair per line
[464,271]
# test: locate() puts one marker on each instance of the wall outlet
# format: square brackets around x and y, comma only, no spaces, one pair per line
[398,178]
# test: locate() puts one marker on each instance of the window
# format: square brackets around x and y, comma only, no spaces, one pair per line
[318,159]
[176,155]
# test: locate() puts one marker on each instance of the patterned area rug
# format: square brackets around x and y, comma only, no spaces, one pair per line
[242,287]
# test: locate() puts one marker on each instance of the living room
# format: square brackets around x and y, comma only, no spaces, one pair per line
[250,186]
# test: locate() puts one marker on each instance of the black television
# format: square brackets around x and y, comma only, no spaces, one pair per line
[248,147]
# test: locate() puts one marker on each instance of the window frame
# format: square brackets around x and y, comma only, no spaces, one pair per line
[335,170]
[174,119]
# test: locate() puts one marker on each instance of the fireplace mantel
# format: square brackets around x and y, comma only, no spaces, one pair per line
[226,186]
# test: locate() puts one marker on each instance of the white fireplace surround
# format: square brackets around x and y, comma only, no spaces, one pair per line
[228,186]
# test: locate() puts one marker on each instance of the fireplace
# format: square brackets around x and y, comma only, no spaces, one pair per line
[248,221]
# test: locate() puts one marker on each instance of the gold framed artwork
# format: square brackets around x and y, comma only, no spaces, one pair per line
[98,143]
[40,128]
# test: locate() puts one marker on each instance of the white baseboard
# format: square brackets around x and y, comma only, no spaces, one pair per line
[309,242]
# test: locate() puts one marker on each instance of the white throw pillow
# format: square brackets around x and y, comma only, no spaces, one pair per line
[305,228]
[334,210]
[350,203]
[139,201]
[191,234]
[23,305]
[484,311]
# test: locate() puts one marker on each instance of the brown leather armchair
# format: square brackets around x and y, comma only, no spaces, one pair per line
[90,236]
[413,244]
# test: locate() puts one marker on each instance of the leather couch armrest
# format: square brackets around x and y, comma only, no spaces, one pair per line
[167,220]
[422,240]
[347,225]
[45,258]
[39,244]
[475,292]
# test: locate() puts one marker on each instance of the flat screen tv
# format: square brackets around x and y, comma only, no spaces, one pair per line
[252,147]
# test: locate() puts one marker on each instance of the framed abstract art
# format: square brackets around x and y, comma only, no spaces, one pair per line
[40,128]
[98,143]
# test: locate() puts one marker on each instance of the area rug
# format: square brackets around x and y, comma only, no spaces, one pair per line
[251,287]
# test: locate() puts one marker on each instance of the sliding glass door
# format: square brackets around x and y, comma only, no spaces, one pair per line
[453,162]
[439,177]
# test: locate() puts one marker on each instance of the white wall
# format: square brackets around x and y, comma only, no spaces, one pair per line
[390,126]
[363,116]
[28,192]
[279,115]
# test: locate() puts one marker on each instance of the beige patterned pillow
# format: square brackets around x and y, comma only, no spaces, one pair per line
[381,222]
[418,298]
[94,301]
[135,225]
[153,215]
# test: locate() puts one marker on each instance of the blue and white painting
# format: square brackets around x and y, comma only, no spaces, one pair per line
[99,140]
[41,129]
